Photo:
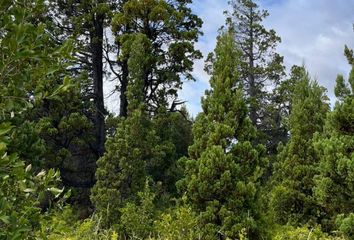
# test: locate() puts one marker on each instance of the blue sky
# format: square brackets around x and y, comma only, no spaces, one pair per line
[313,32]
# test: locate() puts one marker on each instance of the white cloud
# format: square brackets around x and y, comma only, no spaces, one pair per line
[314,32]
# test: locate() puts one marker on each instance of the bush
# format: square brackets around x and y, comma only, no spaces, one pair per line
[64,225]
[346,225]
[137,219]
[178,223]
[288,232]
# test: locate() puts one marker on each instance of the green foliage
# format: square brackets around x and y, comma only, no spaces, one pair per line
[137,219]
[63,224]
[57,223]
[28,63]
[21,192]
[178,223]
[288,232]
[292,199]
[27,67]
[35,89]
[334,182]
[223,167]
[122,170]
[345,225]
[260,66]
[48,121]
[172,29]
[341,90]
[174,135]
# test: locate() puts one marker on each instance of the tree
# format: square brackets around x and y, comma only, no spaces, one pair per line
[121,172]
[169,24]
[280,109]
[223,168]
[85,21]
[71,125]
[260,67]
[172,29]
[334,182]
[174,136]
[292,199]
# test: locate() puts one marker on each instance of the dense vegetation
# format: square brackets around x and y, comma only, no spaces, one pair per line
[256,163]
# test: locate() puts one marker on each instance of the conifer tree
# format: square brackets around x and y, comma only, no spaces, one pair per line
[121,172]
[280,109]
[85,21]
[174,135]
[292,200]
[172,28]
[261,68]
[335,184]
[223,167]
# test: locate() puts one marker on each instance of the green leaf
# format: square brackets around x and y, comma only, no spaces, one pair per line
[5,219]
[4,129]
[29,190]
[56,191]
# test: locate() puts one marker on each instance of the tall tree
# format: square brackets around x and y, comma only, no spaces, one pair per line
[293,199]
[280,108]
[85,22]
[261,67]
[223,168]
[172,29]
[334,183]
[121,171]
[74,129]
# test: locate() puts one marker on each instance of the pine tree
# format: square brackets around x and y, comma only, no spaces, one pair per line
[174,135]
[292,199]
[282,105]
[261,67]
[85,22]
[121,172]
[334,184]
[223,167]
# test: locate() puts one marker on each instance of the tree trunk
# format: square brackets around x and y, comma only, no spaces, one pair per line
[96,36]
[251,76]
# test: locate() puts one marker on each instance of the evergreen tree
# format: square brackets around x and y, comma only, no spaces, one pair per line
[292,200]
[121,172]
[260,67]
[85,22]
[280,110]
[334,183]
[223,167]
[174,135]
[172,29]
[281,106]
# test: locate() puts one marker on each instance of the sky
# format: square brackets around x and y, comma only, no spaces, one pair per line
[313,33]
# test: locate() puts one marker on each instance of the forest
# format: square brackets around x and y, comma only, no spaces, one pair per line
[268,157]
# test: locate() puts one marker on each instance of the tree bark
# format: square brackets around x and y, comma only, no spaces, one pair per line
[96,40]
